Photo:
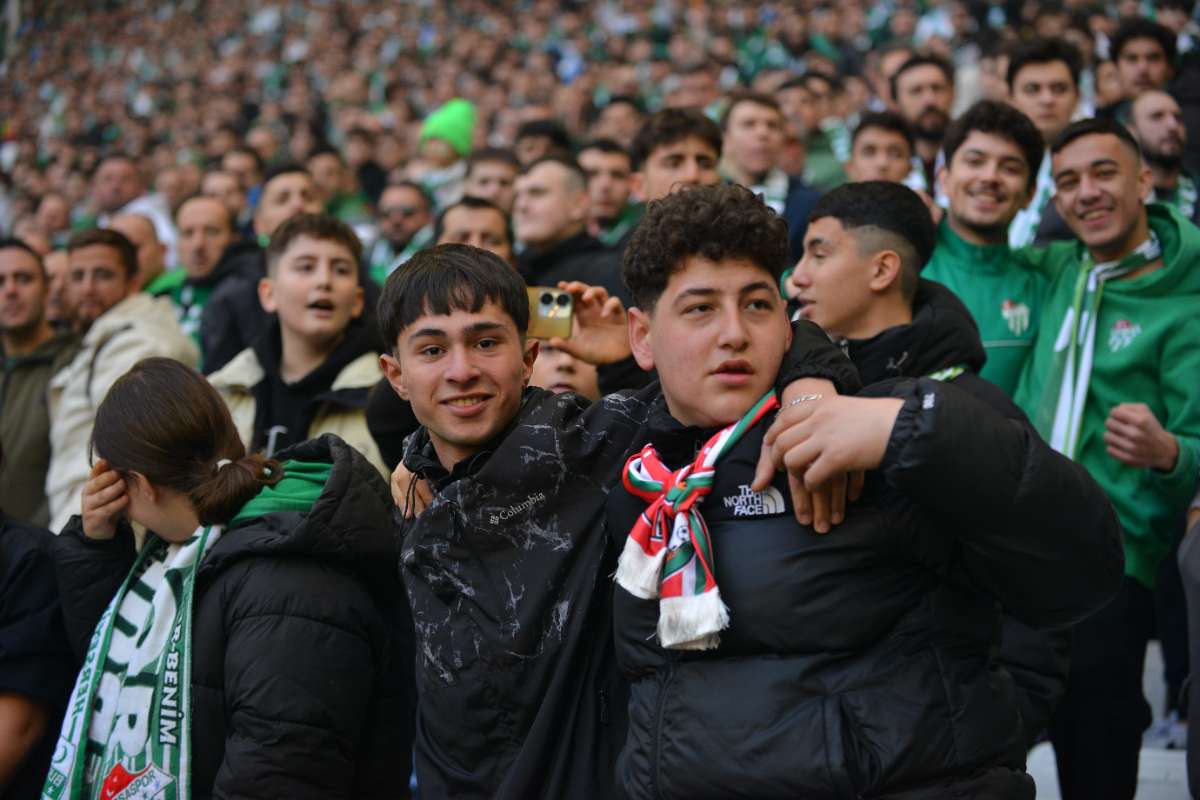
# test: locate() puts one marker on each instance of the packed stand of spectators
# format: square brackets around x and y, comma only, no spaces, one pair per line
[1000,198]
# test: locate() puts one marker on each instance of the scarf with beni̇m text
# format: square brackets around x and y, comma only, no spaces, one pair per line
[1066,385]
[127,732]
[669,555]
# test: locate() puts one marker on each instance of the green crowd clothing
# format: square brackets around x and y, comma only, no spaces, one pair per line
[1147,350]
[1003,292]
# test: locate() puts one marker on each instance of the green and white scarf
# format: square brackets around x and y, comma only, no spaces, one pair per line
[1183,198]
[1022,231]
[1075,347]
[774,190]
[127,732]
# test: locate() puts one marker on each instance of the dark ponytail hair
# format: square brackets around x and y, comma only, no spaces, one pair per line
[164,421]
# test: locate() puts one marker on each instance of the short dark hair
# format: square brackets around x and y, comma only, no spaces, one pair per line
[414,186]
[1045,51]
[447,278]
[884,120]
[248,151]
[605,145]
[1095,125]
[713,222]
[493,155]
[743,96]
[126,252]
[673,125]
[998,119]
[552,129]
[324,227]
[325,149]
[891,208]
[477,203]
[13,243]
[922,60]
[285,168]
[1141,28]
[831,81]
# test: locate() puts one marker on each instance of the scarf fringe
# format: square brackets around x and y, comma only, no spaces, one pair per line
[639,573]
[692,623]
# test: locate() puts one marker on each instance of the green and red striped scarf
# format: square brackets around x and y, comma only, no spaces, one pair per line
[668,555]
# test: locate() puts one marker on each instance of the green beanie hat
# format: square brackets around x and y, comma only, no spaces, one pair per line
[453,123]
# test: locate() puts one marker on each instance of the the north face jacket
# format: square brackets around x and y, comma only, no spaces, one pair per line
[943,342]
[340,410]
[301,641]
[138,327]
[507,574]
[25,427]
[861,663]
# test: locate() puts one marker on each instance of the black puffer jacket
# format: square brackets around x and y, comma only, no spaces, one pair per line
[507,573]
[859,664]
[579,258]
[302,650]
[233,317]
[943,336]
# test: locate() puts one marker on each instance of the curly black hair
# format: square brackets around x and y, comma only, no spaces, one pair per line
[712,222]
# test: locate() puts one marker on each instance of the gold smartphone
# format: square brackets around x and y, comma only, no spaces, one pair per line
[549,313]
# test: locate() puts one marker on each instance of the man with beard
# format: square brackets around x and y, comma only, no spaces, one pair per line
[1156,121]
[992,156]
[608,168]
[923,92]
[405,214]
[1144,52]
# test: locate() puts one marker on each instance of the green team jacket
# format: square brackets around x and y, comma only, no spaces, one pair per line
[1147,351]
[1004,293]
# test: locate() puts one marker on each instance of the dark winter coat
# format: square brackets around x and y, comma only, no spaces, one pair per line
[301,645]
[942,336]
[507,573]
[579,258]
[35,661]
[861,663]
[233,317]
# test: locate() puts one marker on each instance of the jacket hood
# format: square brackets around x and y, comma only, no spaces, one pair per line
[350,523]
[942,334]
[244,258]
[1180,242]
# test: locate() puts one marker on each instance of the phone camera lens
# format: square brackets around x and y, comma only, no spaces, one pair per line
[547,298]
[562,299]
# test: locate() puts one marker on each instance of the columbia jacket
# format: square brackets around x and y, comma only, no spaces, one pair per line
[25,427]
[302,659]
[943,342]
[860,663]
[508,575]
[138,327]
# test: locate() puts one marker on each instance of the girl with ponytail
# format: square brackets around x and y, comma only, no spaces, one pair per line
[253,647]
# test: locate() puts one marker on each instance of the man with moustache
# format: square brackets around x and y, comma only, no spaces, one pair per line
[923,92]
[1110,383]
[1156,121]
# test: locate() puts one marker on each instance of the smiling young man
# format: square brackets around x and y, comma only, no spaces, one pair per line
[507,568]
[993,153]
[1111,383]
[311,370]
[766,660]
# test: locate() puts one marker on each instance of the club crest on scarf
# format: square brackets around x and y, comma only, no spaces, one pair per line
[668,555]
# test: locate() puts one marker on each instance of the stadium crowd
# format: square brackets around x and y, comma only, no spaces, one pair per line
[883,319]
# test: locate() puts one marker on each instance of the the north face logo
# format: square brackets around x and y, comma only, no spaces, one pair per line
[1016,315]
[749,503]
[1123,334]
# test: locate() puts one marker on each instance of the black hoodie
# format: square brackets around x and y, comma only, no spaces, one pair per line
[944,336]
[301,641]
[288,409]
[579,258]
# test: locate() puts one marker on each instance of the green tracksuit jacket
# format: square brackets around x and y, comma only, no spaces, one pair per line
[1003,292]
[1147,350]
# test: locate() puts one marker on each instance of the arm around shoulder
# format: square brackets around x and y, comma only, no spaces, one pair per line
[1037,532]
